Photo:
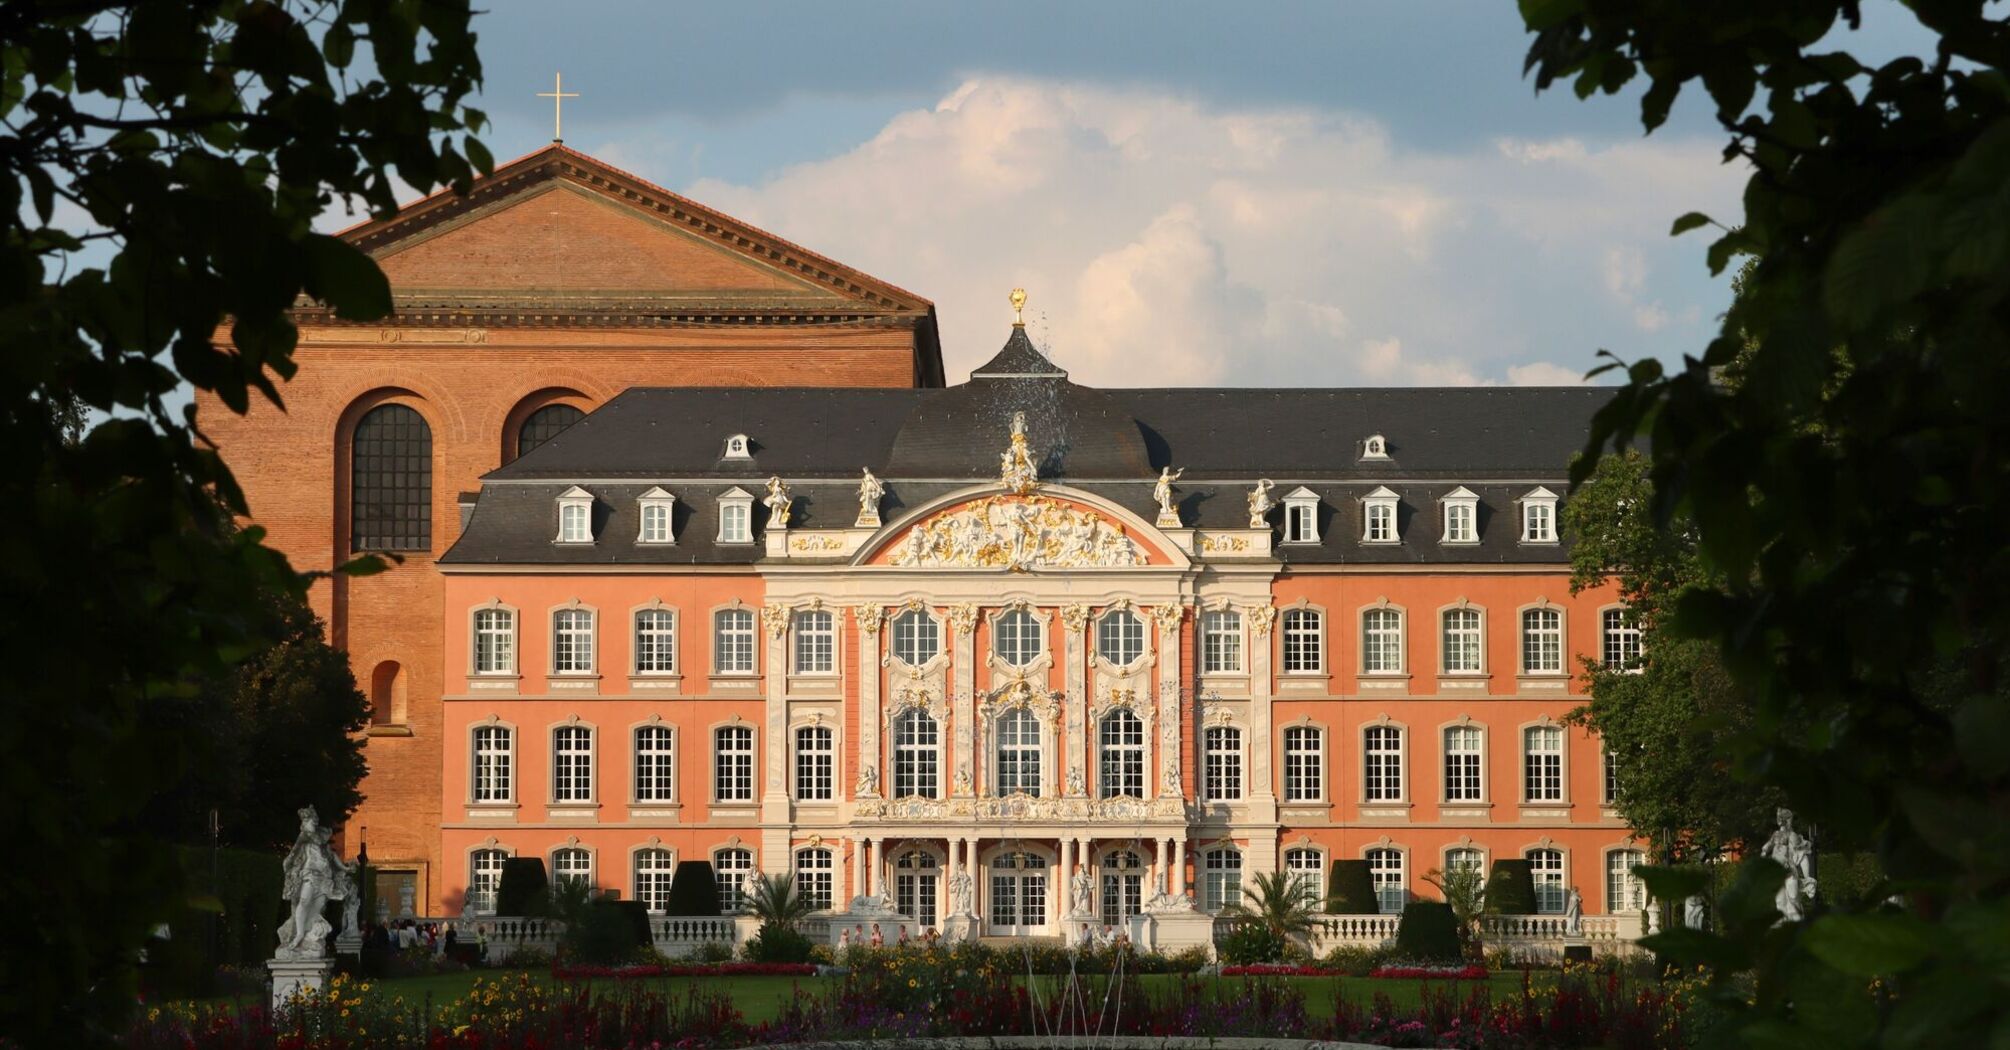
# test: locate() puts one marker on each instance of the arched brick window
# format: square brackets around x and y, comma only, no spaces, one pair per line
[543,425]
[391,481]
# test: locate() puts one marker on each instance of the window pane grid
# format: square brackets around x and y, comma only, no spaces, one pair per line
[733,642]
[733,773]
[543,425]
[1462,641]
[492,764]
[1308,870]
[572,764]
[815,643]
[1222,772]
[572,641]
[1621,638]
[1382,766]
[1546,865]
[1018,638]
[1543,764]
[1382,641]
[914,755]
[813,877]
[1303,779]
[1623,889]
[653,870]
[1221,642]
[1381,523]
[916,638]
[1542,641]
[1462,764]
[1301,641]
[729,871]
[1385,870]
[655,641]
[1458,523]
[655,523]
[1120,637]
[495,641]
[572,865]
[655,764]
[1018,753]
[1121,771]
[391,481]
[484,872]
[1222,882]
[813,764]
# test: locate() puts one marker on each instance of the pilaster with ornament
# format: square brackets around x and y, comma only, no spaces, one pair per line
[963,716]
[774,795]
[1262,796]
[869,619]
[1172,780]
[1075,657]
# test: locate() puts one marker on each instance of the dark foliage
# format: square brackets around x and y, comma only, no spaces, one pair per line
[1511,888]
[693,889]
[1429,932]
[1349,889]
[523,889]
[1252,942]
[776,943]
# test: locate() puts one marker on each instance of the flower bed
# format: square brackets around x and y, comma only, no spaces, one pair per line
[1279,970]
[1455,973]
[725,969]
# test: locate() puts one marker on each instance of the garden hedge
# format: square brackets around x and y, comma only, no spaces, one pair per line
[1349,890]
[1429,932]
[1511,890]
[523,889]
[693,889]
[235,922]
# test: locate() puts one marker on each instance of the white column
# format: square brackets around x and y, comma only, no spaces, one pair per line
[857,886]
[869,618]
[872,867]
[1179,865]
[1067,862]
[1160,850]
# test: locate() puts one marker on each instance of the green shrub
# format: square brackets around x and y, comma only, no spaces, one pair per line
[235,924]
[1349,890]
[1511,890]
[1850,881]
[713,952]
[778,944]
[1429,932]
[603,934]
[523,889]
[1252,942]
[1356,960]
[693,889]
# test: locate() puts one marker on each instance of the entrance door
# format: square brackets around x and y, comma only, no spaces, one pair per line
[1123,888]
[914,886]
[1018,894]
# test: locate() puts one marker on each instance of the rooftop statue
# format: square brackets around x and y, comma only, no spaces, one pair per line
[1016,468]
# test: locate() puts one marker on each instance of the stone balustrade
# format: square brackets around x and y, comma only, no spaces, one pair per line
[1545,934]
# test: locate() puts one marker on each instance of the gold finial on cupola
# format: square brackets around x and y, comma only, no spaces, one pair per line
[1018,298]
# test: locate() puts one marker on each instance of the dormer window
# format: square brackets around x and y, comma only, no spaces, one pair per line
[1301,516]
[1375,447]
[737,447]
[736,516]
[1378,516]
[1462,516]
[575,516]
[1538,516]
[654,507]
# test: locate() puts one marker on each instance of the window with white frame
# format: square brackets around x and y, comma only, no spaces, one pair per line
[813,877]
[1542,764]
[1463,751]
[733,641]
[655,641]
[1538,517]
[494,755]
[814,762]
[1463,641]
[733,764]
[1120,637]
[1378,516]
[816,642]
[1302,631]
[653,871]
[1385,871]
[1221,764]
[729,874]
[1610,780]
[1621,638]
[1018,753]
[495,641]
[1624,892]
[917,743]
[1382,641]
[572,764]
[1304,764]
[1308,873]
[1375,447]
[484,874]
[575,516]
[655,764]
[736,516]
[1465,858]
[655,507]
[1542,641]
[917,637]
[1221,878]
[572,641]
[571,865]
[1382,764]
[1221,642]
[1018,638]
[1462,515]
[1546,866]
[737,447]
[1120,769]
[1301,516]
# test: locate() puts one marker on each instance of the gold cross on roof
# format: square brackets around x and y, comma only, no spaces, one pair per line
[557,95]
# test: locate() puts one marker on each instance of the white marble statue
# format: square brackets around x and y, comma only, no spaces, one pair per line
[1162,903]
[352,900]
[1015,466]
[1260,503]
[870,489]
[312,878]
[1693,914]
[1796,854]
[961,889]
[1163,493]
[1076,789]
[880,905]
[778,501]
[749,880]
[868,781]
[1573,913]
[1085,892]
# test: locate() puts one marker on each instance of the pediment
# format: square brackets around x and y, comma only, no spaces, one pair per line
[575,492]
[1459,493]
[1381,492]
[656,492]
[1022,533]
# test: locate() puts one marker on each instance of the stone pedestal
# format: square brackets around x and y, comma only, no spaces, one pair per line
[959,928]
[1080,927]
[349,944]
[1178,930]
[290,976]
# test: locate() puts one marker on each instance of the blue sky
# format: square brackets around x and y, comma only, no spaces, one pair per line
[1305,193]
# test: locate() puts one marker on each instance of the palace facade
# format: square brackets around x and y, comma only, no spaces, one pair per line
[1026,631]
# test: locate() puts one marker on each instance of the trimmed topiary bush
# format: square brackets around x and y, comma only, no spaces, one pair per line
[602,933]
[1429,932]
[1252,942]
[778,944]
[693,889]
[1349,890]
[523,889]
[1511,890]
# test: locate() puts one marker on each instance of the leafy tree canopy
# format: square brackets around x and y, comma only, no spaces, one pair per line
[193,144]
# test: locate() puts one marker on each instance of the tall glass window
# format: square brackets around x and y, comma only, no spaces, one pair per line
[1385,871]
[1381,523]
[1624,891]
[495,641]
[1221,878]
[1381,641]
[916,750]
[733,764]
[572,865]
[653,870]
[1018,641]
[1542,641]
[1459,522]
[1462,764]
[814,877]
[1221,642]
[1301,641]
[730,868]
[1221,779]
[813,764]
[1542,764]
[391,481]
[655,522]
[1382,764]
[1546,865]
[1120,768]
[493,781]
[484,873]
[655,764]
[1018,753]
[917,637]
[1308,872]
[1120,637]
[816,639]
[655,641]
[1622,639]
[572,764]
[733,641]
[572,641]
[1304,779]
[1462,641]
[543,425]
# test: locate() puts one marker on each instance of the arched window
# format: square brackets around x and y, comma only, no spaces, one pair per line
[1542,641]
[1463,750]
[1221,642]
[915,749]
[495,641]
[1018,641]
[1621,636]
[813,764]
[1019,753]
[543,425]
[1120,637]
[572,764]
[1542,764]
[733,642]
[1462,641]
[1120,770]
[816,642]
[1308,871]
[1303,765]
[1221,770]
[1385,870]
[733,764]
[387,694]
[729,874]
[572,641]
[391,481]
[484,872]
[1546,866]
[653,870]
[1382,764]
[916,637]
[494,750]
[1624,891]
[1123,887]
[1381,642]
[1221,878]
[1301,641]
[813,877]
[572,865]
[655,764]
[1465,859]
[655,641]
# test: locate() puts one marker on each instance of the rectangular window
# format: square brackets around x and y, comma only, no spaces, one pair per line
[1385,870]
[655,641]
[572,764]
[1301,642]
[1538,522]
[916,739]
[1624,892]
[1546,865]
[1382,764]
[1459,525]
[1308,871]
[1303,767]
[1222,769]
[813,877]
[1462,764]
[572,865]
[484,873]
[655,764]
[1542,641]
[1221,642]
[735,522]
[1611,778]
[733,764]
[1462,641]
[654,869]
[813,764]
[1301,523]
[573,523]
[815,642]
[495,641]
[1382,642]
[730,868]
[572,641]
[655,523]
[1621,638]
[492,780]
[1221,885]
[1542,764]
[1121,769]
[733,642]
[1381,523]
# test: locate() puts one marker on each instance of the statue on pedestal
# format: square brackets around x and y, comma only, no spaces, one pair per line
[1015,466]
[1796,854]
[313,876]
[1693,914]
[778,502]
[1260,503]
[870,489]
[1085,892]
[1163,493]
[1573,913]
[961,888]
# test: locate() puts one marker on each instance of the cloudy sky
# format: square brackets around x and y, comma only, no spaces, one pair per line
[1295,193]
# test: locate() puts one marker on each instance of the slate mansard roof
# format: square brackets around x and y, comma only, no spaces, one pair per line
[1497,442]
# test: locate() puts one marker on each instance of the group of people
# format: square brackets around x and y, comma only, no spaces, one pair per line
[876,938]
[404,935]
